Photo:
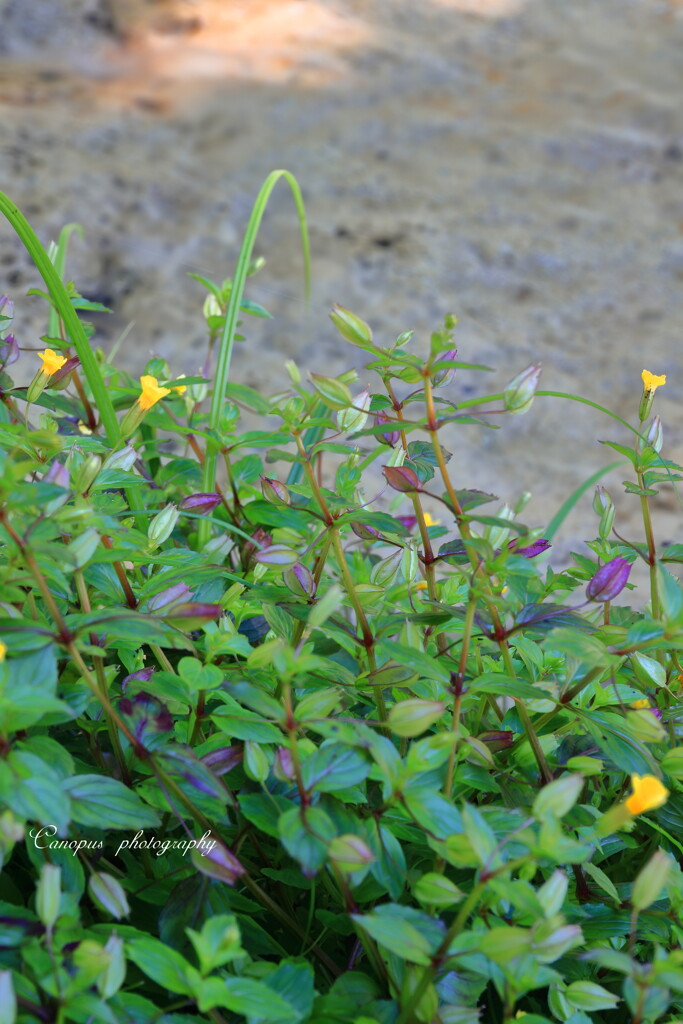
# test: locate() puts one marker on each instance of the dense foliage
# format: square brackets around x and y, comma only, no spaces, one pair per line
[277,744]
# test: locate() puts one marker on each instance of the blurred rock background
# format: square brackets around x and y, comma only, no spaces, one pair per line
[516,162]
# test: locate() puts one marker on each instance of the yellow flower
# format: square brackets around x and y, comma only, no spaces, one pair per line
[3,651]
[431,522]
[152,392]
[421,585]
[51,362]
[648,793]
[641,705]
[651,381]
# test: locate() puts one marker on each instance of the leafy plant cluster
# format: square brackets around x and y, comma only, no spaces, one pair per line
[277,744]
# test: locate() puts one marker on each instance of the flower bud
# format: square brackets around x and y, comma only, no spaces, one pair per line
[197,392]
[109,895]
[409,562]
[283,766]
[397,457]
[433,890]
[352,327]
[351,420]
[219,546]
[651,880]
[300,581]
[366,532]
[80,551]
[293,372]
[211,307]
[446,374]
[609,580]
[201,504]
[537,547]
[402,478]
[558,797]
[6,315]
[604,507]
[653,435]
[277,555]
[162,525]
[519,393]
[223,759]
[218,863]
[123,459]
[414,716]
[275,492]
[113,976]
[384,572]
[58,474]
[349,853]
[48,894]
[495,535]
[255,763]
[9,350]
[391,437]
[87,473]
[334,393]
[170,596]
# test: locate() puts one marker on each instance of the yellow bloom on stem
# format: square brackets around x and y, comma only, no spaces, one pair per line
[431,522]
[52,362]
[152,392]
[651,381]
[641,705]
[421,585]
[648,794]
[3,651]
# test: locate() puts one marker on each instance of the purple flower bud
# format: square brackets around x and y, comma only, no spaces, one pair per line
[366,532]
[537,547]
[275,492]
[300,580]
[410,522]
[9,351]
[609,580]
[192,614]
[391,436]
[178,592]
[223,760]
[58,474]
[143,675]
[402,478]
[200,503]
[283,766]
[218,863]
[63,372]
[446,374]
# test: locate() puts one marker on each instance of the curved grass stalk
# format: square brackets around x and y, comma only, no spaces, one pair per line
[228,336]
[60,266]
[68,314]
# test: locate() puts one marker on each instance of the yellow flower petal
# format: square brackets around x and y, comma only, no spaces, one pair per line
[152,392]
[641,705]
[421,585]
[52,362]
[3,651]
[651,381]
[431,522]
[648,794]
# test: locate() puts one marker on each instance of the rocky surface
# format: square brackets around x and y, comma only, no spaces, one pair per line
[517,163]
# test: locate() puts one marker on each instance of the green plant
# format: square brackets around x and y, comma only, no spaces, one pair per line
[275,746]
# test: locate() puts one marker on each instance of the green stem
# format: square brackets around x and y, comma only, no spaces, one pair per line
[651,548]
[68,314]
[227,340]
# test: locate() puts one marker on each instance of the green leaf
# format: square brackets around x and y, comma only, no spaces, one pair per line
[333,767]
[103,802]
[246,997]
[305,836]
[389,926]
[163,965]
